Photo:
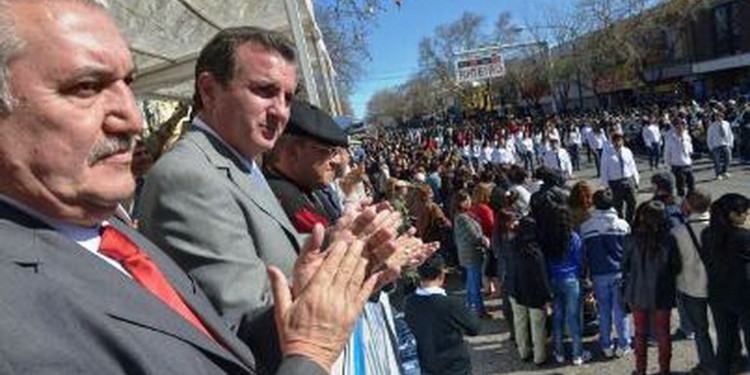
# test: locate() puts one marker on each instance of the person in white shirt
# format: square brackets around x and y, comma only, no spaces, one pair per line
[525,150]
[574,146]
[486,155]
[652,140]
[596,141]
[502,153]
[677,150]
[619,171]
[720,141]
[557,158]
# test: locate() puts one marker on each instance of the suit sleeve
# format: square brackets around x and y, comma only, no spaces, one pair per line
[466,321]
[193,217]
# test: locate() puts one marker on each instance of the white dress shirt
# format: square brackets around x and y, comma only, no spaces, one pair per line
[677,149]
[596,140]
[720,134]
[618,164]
[574,137]
[502,155]
[429,291]
[651,134]
[558,160]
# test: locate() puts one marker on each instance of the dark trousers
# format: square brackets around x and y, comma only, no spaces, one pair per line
[528,161]
[745,143]
[623,192]
[683,175]
[721,158]
[654,154]
[575,157]
[696,311]
[641,319]
[597,161]
[728,319]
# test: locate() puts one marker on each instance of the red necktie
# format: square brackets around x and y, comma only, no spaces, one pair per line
[118,247]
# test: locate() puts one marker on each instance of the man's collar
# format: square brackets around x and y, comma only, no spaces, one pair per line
[247,162]
[429,291]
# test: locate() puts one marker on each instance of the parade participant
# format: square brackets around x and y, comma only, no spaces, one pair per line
[620,173]
[720,140]
[574,142]
[652,139]
[596,141]
[558,159]
[678,149]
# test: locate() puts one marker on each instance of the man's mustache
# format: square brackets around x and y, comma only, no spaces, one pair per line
[110,146]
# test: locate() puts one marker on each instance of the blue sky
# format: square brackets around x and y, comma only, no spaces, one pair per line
[393,43]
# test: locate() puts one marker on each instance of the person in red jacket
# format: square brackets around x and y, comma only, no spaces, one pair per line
[483,214]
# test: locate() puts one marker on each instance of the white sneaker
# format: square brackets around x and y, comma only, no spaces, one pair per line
[608,353]
[719,177]
[585,357]
[727,175]
[559,358]
[620,352]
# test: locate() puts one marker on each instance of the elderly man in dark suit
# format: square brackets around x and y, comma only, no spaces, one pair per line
[81,292]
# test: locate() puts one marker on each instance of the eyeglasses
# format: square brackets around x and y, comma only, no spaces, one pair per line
[328,151]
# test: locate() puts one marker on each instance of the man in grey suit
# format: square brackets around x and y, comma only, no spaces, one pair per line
[206,201]
[81,292]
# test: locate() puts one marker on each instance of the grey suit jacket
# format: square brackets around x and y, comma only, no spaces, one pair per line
[65,311]
[200,205]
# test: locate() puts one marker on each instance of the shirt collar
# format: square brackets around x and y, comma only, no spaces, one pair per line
[248,163]
[432,290]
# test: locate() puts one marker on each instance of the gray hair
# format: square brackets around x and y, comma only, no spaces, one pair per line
[11,44]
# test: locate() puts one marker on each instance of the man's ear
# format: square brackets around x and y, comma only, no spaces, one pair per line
[207,86]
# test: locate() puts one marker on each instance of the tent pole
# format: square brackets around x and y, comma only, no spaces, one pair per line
[295,22]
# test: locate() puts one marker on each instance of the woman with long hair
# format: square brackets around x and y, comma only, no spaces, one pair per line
[482,211]
[726,254]
[650,265]
[562,248]
[471,244]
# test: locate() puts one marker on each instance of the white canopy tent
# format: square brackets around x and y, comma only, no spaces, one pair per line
[166,36]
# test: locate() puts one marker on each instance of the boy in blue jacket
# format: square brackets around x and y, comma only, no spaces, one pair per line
[603,242]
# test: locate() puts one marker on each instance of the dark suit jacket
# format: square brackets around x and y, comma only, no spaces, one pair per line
[63,310]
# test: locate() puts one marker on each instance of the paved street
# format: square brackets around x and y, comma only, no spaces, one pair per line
[494,353]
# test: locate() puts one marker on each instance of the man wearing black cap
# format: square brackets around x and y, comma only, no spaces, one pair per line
[303,162]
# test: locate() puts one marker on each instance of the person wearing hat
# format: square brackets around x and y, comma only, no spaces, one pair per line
[558,159]
[302,163]
[620,173]
[677,150]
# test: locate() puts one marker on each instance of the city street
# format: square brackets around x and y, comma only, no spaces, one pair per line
[493,353]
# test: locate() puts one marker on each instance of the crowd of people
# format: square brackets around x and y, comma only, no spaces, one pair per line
[497,193]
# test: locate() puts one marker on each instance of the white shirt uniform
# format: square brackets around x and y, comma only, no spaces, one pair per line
[651,134]
[574,137]
[720,134]
[618,164]
[596,140]
[502,155]
[558,160]
[677,149]
[487,154]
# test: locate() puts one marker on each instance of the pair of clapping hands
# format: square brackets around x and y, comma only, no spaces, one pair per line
[330,285]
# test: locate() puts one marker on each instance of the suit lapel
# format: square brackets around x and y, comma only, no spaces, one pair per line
[98,286]
[223,159]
